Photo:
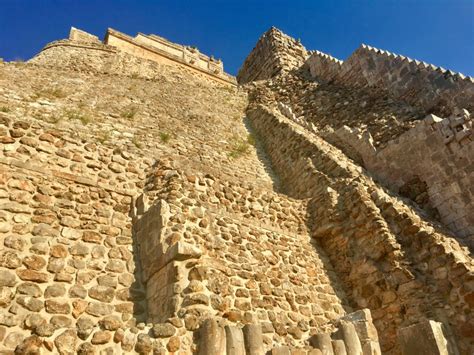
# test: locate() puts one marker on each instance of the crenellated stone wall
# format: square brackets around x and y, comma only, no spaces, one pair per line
[435,89]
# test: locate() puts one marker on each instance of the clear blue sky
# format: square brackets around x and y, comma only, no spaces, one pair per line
[440,32]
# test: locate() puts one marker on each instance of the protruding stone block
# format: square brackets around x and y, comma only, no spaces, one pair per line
[425,338]
[253,339]
[322,342]
[339,347]
[234,340]
[213,338]
[315,352]
[82,36]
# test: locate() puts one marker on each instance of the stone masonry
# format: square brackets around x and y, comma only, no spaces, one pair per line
[149,205]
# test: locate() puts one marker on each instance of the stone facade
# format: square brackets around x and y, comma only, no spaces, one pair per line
[381,248]
[428,162]
[436,152]
[118,48]
[149,207]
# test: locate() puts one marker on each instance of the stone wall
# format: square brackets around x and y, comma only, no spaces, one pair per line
[140,213]
[118,240]
[421,84]
[124,55]
[164,52]
[72,164]
[274,52]
[91,58]
[436,152]
[391,260]
[239,252]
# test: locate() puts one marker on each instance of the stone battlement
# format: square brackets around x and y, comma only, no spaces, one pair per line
[416,82]
[432,88]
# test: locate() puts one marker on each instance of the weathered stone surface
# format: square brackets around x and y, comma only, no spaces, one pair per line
[86,349]
[166,188]
[31,303]
[281,350]
[348,334]
[99,309]
[322,342]
[66,342]
[30,345]
[7,278]
[102,293]
[144,344]
[57,307]
[31,275]
[33,320]
[101,337]
[173,344]
[34,262]
[163,330]
[84,327]
[234,341]
[61,322]
[339,347]
[213,338]
[13,340]
[56,290]
[253,339]
[6,295]
[424,338]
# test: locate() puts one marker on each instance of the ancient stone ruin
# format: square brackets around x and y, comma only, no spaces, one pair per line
[151,203]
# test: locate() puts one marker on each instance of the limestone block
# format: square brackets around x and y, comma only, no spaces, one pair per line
[253,339]
[182,251]
[234,340]
[213,338]
[281,350]
[366,331]
[322,342]
[370,347]
[348,334]
[424,338]
[339,347]
[82,36]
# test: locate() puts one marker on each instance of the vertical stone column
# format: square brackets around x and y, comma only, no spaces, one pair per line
[253,339]
[213,338]
[368,336]
[234,340]
[339,347]
[323,342]
[348,334]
